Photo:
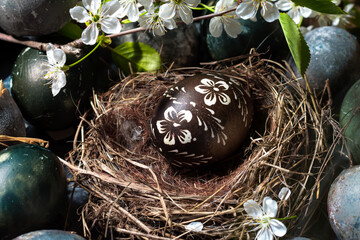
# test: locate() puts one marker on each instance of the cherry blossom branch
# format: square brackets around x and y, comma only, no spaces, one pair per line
[75,47]
[140,29]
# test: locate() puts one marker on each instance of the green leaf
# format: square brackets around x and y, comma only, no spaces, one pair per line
[298,47]
[323,6]
[142,57]
[71,31]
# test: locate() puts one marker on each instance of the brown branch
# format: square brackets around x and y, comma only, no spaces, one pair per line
[73,48]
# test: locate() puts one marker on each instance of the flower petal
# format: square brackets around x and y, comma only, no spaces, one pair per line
[247,9]
[264,234]
[59,83]
[170,114]
[169,23]
[111,9]
[161,126]
[194,226]
[169,138]
[270,207]
[185,115]
[192,3]
[56,57]
[185,136]
[270,12]
[253,209]
[133,12]
[50,54]
[59,57]
[215,27]
[185,14]
[207,82]
[92,5]
[148,4]
[222,85]
[79,14]
[90,34]
[284,5]
[224,98]
[210,99]
[110,25]
[284,193]
[295,15]
[232,27]
[305,12]
[277,227]
[167,11]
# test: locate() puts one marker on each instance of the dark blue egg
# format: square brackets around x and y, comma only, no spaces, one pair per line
[49,235]
[261,35]
[34,18]
[343,201]
[335,55]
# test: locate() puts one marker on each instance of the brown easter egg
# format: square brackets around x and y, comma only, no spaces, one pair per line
[202,119]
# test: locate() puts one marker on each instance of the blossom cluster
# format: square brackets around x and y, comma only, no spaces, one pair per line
[159,16]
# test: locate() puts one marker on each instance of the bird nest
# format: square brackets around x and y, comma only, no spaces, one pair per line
[135,193]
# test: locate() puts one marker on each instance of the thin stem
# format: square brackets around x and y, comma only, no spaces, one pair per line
[286,218]
[140,29]
[207,7]
[73,64]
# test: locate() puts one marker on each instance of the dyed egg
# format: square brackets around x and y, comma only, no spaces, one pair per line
[32,189]
[259,34]
[335,56]
[35,99]
[49,235]
[343,202]
[350,120]
[34,18]
[202,119]
[11,120]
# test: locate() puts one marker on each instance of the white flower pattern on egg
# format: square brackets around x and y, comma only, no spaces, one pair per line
[172,126]
[202,119]
[213,91]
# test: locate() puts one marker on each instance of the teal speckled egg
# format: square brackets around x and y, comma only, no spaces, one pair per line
[343,201]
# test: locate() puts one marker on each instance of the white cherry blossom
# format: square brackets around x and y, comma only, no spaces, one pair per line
[264,219]
[247,9]
[54,68]
[96,15]
[173,8]
[294,11]
[153,22]
[130,8]
[228,21]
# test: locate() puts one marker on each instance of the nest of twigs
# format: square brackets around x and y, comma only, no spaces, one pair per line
[135,193]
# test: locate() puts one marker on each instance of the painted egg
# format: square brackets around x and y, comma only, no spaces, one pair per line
[343,201]
[335,56]
[350,120]
[202,119]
